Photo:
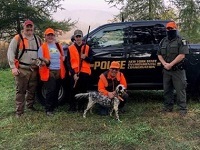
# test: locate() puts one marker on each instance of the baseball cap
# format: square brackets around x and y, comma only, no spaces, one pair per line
[115,64]
[78,32]
[28,22]
[171,25]
[49,31]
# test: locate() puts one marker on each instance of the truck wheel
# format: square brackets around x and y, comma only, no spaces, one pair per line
[198,94]
[41,95]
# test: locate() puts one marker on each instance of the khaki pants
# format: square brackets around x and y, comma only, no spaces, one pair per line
[26,83]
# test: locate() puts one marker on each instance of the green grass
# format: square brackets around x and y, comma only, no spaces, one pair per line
[142,126]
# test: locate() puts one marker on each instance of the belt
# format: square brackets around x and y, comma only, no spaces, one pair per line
[25,64]
[28,68]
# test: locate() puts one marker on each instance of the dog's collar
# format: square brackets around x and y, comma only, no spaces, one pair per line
[119,97]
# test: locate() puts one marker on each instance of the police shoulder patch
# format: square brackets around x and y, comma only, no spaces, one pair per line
[184,42]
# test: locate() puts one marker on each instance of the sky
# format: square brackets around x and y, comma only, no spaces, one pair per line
[86,14]
[88,4]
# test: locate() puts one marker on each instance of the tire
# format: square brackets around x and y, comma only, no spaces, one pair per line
[196,91]
[41,94]
[198,94]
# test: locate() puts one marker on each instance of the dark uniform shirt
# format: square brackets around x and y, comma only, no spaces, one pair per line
[171,49]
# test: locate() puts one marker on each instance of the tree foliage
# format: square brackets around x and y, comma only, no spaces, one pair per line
[14,12]
[185,12]
[188,18]
[139,10]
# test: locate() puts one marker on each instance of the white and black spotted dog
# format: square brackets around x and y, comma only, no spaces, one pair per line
[96,97]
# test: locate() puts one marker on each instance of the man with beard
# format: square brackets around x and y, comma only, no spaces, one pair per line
[171,54]
[22,52]
[108,81]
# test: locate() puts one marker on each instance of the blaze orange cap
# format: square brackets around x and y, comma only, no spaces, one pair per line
[115,64]
[171,25]
[49,31]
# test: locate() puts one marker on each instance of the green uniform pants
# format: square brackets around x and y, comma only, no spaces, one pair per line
[175,80]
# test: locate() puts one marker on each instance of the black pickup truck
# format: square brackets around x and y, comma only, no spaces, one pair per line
[134,45]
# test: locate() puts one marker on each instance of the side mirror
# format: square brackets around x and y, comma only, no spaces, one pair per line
[89,42]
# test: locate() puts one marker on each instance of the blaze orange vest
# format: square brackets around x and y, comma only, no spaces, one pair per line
[75,59]
[44,70]
[23,44]
[107,80]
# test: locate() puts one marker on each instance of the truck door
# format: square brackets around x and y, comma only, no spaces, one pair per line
[141,45]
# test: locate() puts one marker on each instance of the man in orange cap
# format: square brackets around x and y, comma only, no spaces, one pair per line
[21,52]
[108,81]
[172,54]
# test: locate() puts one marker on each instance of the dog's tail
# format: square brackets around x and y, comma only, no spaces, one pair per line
[82,95]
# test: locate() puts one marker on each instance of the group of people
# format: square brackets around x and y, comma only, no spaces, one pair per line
[30,58]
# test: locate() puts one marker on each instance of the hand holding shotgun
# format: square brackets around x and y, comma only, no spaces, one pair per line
[82,57]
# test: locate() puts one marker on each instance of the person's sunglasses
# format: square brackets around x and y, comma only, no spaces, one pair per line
[115,69]
[169,28]
[78,36]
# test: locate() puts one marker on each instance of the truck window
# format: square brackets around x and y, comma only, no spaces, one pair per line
[117,36]
[108,37]
[141,35]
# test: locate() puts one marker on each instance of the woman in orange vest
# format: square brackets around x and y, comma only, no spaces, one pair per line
[79,57]
[108,81]
[52,69]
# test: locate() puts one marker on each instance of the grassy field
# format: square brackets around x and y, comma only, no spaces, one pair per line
[142,126]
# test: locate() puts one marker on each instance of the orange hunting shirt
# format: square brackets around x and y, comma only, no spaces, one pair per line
[108,84]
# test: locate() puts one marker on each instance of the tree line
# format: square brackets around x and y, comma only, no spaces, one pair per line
[14,12]
[186,13]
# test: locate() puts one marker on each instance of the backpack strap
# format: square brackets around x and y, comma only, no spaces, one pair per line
[17,50]
[36,41]
[20,56]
